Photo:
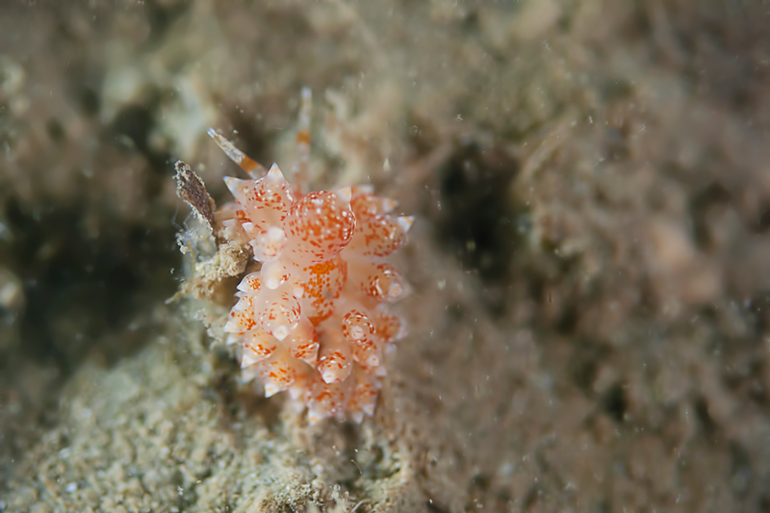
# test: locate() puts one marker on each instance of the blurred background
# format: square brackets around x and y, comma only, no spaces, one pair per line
[589,328]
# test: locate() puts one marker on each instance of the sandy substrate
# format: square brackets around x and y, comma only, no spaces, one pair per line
[589,328]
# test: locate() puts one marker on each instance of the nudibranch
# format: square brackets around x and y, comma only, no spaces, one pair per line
[314,319]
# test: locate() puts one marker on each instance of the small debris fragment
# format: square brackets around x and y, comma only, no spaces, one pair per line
[191,189]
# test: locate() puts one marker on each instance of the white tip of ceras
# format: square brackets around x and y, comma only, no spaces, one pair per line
[268,245]
[395,291]
[231,326]
[368,409]
[405,222]
[313,418]
[212,133]
[248,359]
[366,188]
[249,283]
[275,173]
[307,94]
[236,185]
[271,389]
[345,194]
[273,283]
[249,374]
[329,377]
[273,273]
[296,394]
[283,331]
[402,333]
[275,234]
[388,205]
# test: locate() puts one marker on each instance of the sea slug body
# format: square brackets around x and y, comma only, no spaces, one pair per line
[314,319]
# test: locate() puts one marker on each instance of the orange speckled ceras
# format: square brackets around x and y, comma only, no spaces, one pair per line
[314,320]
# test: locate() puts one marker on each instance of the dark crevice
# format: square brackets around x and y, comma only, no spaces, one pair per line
[584,365]
[78,288]
[615,404]
[741,473]
[704,417]
[477,222]
[161,16]
[131,131]
[712,195]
